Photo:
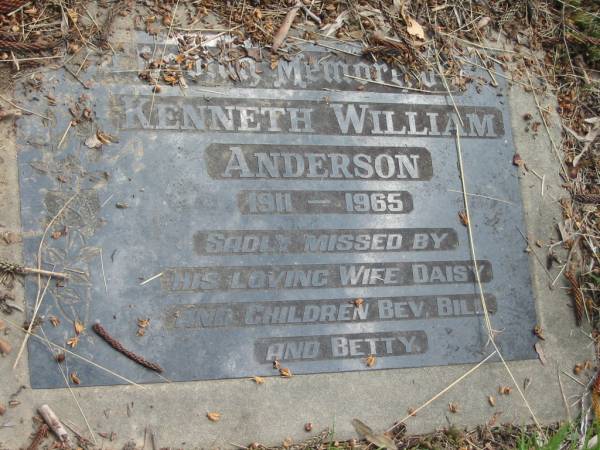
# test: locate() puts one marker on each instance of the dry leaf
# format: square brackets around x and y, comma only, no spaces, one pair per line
[214,416]
[491,400]
[370,360]
[483,22]
[308,427]
[285,372]
[453,407]
[540,352]
[464,219]
[517,160]
[72,342]
[55,321]
[379,440]
[358,302]
[504,390]
[57,234]
[5,347]
[74,378]
[276,364]
[78,327]
[414,29]
[72,14]
[59,357]
[142,325]
[494,419]
[287,442]
[258,380]
[106,138]
[537,330]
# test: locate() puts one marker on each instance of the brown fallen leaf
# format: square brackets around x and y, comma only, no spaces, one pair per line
[276,364]
[491,400]
[414,28]
[453,407]
[464,219]
[79,327]
[72,342]
[274,62]
[494,418]
[142,325]
[2,409]
[379,440]
[57,234]
[285,372]
[258,380]
[517,160]
[214,416]
[540,351]
[106,138]
[55,321]
[370,360]
[75,378]
[537,330]
[59,357]
[359,301]
[287,442]
[5,347]
[504,390]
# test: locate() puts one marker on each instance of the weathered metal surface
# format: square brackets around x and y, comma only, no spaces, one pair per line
[287,222]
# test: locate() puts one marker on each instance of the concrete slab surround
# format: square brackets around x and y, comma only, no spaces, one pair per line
[347,388]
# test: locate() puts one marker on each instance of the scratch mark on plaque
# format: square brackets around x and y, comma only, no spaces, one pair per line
[106,201]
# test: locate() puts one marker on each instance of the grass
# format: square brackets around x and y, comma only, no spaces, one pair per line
[504,437]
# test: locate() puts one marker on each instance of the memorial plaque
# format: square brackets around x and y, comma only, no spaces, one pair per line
[297,214]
